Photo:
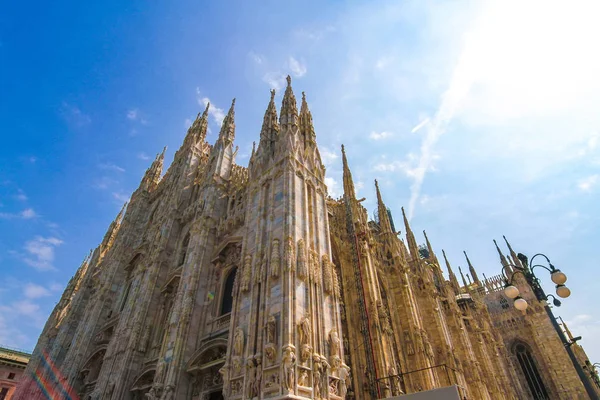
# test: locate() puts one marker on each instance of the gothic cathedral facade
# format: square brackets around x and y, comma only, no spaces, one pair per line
[219,281]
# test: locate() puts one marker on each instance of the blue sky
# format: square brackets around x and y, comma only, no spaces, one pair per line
[480,118]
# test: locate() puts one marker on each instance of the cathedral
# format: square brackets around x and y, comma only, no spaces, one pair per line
[218,281]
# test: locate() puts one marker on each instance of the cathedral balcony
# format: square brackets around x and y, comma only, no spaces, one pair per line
[220,324]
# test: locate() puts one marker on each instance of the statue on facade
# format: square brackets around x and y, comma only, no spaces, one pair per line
[290,256]
[250,368]
[334,343]
[275,259]
[271,329]
[258,378]
[303,378]
[317,377]
[168,393]
[304,330]
[238,342]
[288,362]
[151,395]
[246,273]
[343,373]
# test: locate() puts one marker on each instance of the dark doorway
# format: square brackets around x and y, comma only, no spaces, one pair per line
[216,396]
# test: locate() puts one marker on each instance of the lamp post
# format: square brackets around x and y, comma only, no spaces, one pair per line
[559,279]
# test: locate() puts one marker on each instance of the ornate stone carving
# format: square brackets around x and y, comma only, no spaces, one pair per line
[169,393]
[237,365]
[250,379]
[317,377]
[336,283]
[395,380]
[246,274]
[343,372]
[305,330]
[334,343]
[327,274]
[258,377]
[271,330]
[290,256]
[302,267]
[303,378]
[288,362]
[305,353]
[272,380]
[238,342]
[275,259]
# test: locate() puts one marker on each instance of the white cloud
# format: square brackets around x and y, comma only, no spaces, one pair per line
[297,68]
[276,80]
[21,196]
[217,113]
[132,114]
[328,157]
[74,116]
[41,252]
[28,213]
[33,291]
[257,58]
[380,135]
[333,187]
[420,125]
[111,167]
[586,184]
[143,156]
[135,115]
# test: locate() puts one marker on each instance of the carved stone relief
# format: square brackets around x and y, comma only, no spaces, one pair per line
[302,267]
[288,362]
[246,274]
[238,342]
[290,256]
[275,259]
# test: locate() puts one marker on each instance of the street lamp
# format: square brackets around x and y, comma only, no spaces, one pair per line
[557,276]
[559,279]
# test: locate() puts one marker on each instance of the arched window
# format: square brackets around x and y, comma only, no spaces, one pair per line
[227,299]
[530,372]
[183,250]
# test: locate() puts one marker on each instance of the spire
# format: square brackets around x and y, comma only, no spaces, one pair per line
[513,255]
[289,109]
[472,270]
[154,172]
[112,230]
[384,220]
[197,131]
[306,122]
[227,133]
[121,213]
[348,183]
[503,260]
[453,281]
[430,249]
[270,126]
[410,237]
[463,278]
